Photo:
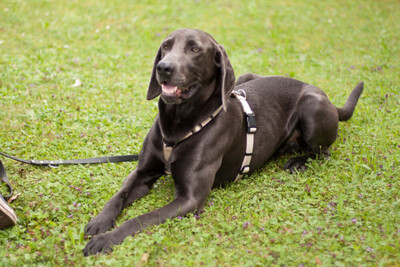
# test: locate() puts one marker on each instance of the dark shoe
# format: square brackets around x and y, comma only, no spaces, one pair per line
[7,215]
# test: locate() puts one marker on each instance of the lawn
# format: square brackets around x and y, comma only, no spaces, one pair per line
[343,211]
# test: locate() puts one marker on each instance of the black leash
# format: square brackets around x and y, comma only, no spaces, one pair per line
[55,163]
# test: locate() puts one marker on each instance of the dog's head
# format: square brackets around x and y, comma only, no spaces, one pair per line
[189,65]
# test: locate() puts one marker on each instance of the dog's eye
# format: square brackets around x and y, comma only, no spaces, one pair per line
[195,49]
[165,46]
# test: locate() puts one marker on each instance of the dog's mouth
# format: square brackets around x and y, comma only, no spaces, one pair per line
[173,91]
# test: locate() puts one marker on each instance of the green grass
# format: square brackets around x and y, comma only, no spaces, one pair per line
[344,211]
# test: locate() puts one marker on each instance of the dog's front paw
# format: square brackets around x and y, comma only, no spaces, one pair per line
[98,225]
[98,244]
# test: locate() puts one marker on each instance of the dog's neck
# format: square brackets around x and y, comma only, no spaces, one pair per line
[177,120]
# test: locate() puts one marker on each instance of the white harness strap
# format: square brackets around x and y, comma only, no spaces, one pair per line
[167,150]
[251,130]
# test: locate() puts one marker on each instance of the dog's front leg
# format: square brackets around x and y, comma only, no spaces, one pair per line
[191,192]
[135,186]
[103,243]
[138,183]
[132,189]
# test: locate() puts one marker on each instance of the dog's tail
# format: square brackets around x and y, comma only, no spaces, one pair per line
[347,110]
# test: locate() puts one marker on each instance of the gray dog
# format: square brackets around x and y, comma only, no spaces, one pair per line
[209,132]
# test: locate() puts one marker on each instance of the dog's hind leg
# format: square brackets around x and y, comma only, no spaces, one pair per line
[318,123]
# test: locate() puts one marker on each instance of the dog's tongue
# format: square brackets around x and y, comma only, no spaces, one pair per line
[170,89]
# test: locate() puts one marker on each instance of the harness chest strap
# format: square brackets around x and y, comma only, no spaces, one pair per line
[167,150]
[251,130]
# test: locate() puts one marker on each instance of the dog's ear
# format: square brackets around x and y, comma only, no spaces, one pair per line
[227,75]
[154,88]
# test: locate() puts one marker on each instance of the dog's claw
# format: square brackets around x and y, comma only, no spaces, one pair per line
[98,244]
[97,226]
[296,164]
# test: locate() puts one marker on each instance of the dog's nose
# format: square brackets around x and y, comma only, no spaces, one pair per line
[165,68]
